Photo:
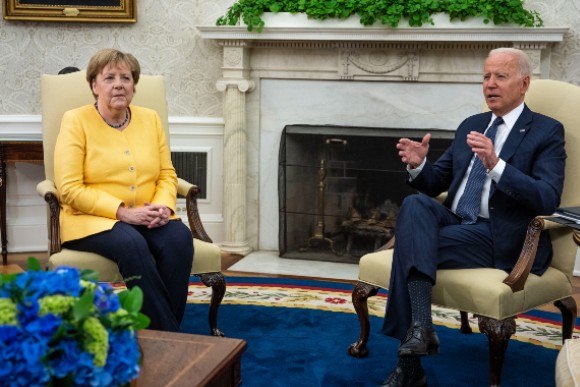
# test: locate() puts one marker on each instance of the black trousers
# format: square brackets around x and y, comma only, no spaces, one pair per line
[428,236]
[158,260]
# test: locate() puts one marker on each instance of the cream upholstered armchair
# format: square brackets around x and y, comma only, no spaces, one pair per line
[60,93]
[494,296]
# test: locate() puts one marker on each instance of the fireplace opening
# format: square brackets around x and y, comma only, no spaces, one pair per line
[340,188]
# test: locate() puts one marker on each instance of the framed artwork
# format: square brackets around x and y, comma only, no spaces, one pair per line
[116,11]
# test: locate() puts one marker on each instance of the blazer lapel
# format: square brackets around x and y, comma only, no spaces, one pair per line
[517,134]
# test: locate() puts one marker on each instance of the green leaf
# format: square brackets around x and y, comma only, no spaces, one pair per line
[132,300]
[141,322]
[389,12]
[83,307]
[90,275]
[33,265]
[7,278]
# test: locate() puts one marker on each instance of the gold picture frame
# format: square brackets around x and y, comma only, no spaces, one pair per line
[102,11]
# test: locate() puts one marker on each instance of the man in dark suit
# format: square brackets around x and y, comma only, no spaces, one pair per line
[503,168]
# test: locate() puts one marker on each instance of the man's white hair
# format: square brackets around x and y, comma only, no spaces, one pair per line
[524,62]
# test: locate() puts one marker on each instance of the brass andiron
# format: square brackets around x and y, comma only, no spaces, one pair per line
[319,228]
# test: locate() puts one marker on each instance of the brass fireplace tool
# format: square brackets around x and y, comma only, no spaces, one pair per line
[319,228]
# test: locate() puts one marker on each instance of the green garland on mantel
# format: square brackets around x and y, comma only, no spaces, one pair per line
[387,12]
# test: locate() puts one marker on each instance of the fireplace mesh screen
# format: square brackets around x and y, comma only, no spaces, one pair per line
[340,188]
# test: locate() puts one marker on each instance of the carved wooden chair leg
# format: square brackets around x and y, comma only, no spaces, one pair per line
[218,286]
[569,312]
[360,294]
[498,335]
[465,327]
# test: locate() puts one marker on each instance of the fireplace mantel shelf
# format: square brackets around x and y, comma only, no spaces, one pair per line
[383,34]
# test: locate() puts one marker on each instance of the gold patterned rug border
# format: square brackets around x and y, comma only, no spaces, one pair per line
[529,330]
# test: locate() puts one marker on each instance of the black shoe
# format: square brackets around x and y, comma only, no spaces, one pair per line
[398,379]
[420,341]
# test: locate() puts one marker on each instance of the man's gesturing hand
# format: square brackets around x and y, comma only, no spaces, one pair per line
[412,152]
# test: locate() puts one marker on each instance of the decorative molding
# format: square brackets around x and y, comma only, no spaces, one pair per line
[28,127]
[401,65]
[20,127]
[234,35]
[243,85]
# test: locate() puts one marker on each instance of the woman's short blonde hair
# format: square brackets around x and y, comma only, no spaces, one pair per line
[107,56]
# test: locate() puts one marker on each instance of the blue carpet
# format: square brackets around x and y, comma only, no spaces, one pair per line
[290,347]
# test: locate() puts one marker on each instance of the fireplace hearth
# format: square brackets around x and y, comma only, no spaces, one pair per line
[340,188]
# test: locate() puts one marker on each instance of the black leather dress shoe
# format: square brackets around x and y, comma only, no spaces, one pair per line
[420,341]
[399,379]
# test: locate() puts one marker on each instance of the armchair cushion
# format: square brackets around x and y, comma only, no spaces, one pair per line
[480,291]
[207,259]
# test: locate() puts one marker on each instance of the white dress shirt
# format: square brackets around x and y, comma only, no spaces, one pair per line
[503,131]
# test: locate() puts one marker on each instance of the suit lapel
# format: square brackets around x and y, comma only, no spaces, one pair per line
[517,134]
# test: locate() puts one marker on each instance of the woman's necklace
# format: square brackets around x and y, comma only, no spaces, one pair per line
[111,125]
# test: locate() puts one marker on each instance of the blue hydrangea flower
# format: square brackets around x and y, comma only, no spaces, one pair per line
[44,348]
[105,299]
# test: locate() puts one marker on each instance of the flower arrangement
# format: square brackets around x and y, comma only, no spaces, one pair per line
[62,327]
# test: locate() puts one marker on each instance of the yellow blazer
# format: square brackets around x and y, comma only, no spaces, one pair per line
[97,168]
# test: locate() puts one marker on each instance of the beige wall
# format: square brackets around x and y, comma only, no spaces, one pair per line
[166,41]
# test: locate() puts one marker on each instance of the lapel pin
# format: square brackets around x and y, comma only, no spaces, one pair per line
[523,130]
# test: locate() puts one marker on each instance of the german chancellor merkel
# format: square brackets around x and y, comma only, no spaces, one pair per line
[118,189]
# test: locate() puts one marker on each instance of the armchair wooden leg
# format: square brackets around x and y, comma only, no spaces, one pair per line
[218,286]
[465,327]
[569,312]
[498,335]
[360,294]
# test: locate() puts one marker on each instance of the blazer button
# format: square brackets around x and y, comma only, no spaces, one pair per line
[132,188]
[131,169]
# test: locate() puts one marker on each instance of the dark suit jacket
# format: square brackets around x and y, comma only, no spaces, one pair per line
[531,184]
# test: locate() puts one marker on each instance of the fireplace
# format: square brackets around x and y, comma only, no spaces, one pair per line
[340,188]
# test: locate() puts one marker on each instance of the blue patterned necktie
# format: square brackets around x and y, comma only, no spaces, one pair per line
[469,203]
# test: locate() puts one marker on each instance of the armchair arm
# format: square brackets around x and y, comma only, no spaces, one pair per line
[190,192]
[519,274]
[47,190]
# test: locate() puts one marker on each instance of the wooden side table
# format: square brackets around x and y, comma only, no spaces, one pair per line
[12,152]
[180,359]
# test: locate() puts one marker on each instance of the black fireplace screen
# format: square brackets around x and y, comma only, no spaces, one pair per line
[340,188]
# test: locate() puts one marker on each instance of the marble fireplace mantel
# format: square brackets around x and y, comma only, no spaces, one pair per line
[264,73]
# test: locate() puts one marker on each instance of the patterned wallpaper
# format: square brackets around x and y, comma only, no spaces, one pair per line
[165,41]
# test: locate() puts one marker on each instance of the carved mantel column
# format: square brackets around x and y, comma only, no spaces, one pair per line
[235,84]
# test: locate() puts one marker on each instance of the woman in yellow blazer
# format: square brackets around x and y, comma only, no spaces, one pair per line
[118,189]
